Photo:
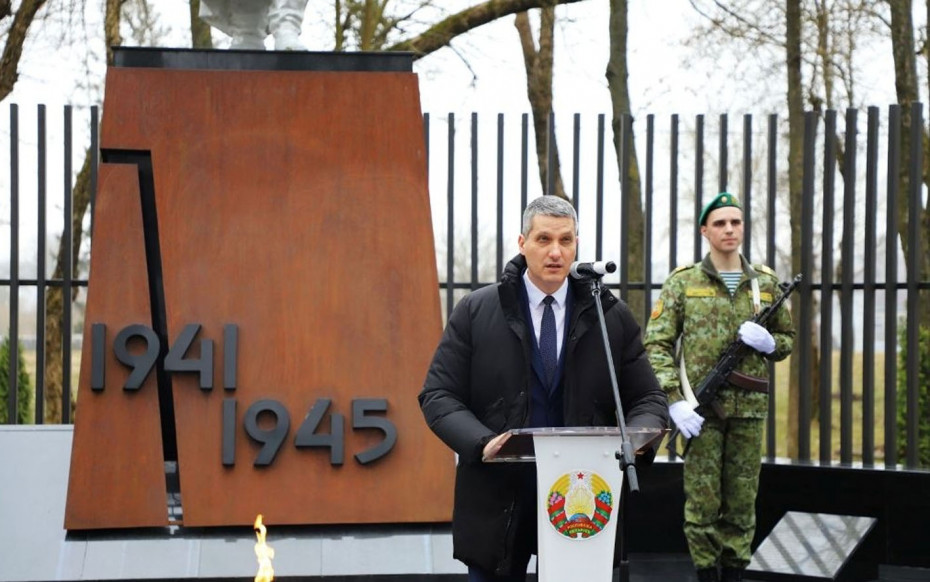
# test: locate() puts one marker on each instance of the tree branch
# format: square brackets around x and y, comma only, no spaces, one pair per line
[442,33]
[13,49]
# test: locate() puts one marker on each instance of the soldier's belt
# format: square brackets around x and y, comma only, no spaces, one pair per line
[747,382]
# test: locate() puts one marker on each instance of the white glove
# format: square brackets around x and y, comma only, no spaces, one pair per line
[686,419]
[757,337]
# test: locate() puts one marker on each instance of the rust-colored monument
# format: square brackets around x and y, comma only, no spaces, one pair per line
[262,301]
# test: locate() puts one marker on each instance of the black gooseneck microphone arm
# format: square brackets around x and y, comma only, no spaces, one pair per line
[625,455]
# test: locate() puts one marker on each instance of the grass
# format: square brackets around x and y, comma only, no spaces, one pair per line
[781,411]
[29,356]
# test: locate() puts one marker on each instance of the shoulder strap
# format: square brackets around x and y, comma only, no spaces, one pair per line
[686,389]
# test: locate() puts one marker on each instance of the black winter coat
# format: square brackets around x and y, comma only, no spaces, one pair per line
[478,386]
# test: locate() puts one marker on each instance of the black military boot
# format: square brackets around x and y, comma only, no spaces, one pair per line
[707,575]
[732,575]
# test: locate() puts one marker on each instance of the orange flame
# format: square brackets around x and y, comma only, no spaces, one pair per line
[263,552]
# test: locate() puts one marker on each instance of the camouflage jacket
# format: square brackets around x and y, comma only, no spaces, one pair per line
[696,305]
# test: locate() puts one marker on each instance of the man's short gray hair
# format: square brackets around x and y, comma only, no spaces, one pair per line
[548,205]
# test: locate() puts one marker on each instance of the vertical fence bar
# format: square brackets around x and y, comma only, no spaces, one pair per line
[698,182]
[914,258]
[68,279]
[848,285]
[868,291]
[825,413]
[499,253]
[722,172]
[524,164]
[626,153]
[474,201]
[450,218]
[847,333]
[771,192]
[599,186]
[42,194]
[13,332]
[807,247]
[647,227]
[747,187]
[576,161]
[673,195]
[891,287]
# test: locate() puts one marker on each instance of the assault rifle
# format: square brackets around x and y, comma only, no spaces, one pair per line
[725,368]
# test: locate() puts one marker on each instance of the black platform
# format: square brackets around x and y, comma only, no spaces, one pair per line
[258,60]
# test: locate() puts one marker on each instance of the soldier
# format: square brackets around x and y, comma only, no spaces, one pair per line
[701,310]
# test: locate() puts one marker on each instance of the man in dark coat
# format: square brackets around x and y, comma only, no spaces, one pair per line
[487,377]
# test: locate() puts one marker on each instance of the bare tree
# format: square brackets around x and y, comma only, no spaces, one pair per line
[905,68]
[13,47]
[54,299]
[443,32]
[819,47]
[538,63]
[795,179]
[367,21]
[618,84]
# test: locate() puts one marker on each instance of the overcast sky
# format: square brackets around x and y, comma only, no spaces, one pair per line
[483,71]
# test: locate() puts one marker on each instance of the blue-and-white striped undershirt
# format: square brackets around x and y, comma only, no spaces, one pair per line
[731,279]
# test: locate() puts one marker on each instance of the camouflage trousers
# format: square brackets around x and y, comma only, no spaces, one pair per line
[721,479]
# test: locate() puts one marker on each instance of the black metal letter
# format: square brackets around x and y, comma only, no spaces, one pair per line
[335,440]
[229,432]
[272,438]
[98,369]
[141,364]
[359,420]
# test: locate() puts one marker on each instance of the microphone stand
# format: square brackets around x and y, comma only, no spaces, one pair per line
[625,455]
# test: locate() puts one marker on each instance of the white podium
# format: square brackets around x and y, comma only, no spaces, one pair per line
[578,484]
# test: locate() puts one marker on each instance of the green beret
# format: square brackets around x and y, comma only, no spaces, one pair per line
[721,200]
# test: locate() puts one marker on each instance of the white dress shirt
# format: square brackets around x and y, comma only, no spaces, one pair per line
[558,309]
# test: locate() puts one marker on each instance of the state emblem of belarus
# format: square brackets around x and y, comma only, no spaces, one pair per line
[580,504]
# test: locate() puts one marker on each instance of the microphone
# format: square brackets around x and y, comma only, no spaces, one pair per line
[595,269]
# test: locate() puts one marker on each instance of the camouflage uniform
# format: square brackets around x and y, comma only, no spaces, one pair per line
[721,474]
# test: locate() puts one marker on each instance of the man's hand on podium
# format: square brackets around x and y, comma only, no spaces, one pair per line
[494,446]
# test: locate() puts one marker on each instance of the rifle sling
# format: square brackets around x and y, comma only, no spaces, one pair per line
[747,382]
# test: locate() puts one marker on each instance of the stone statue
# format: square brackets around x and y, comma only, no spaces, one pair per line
[248,22]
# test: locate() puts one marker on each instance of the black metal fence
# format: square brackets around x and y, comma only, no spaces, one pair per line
[855,288]
[38,284]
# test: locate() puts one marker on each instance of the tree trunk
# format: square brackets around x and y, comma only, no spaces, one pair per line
[201,36]
[13,49]
[618,84]
[54,300]
[905,73]
[795,186]
[442,33]
[539,91]
[111,20]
